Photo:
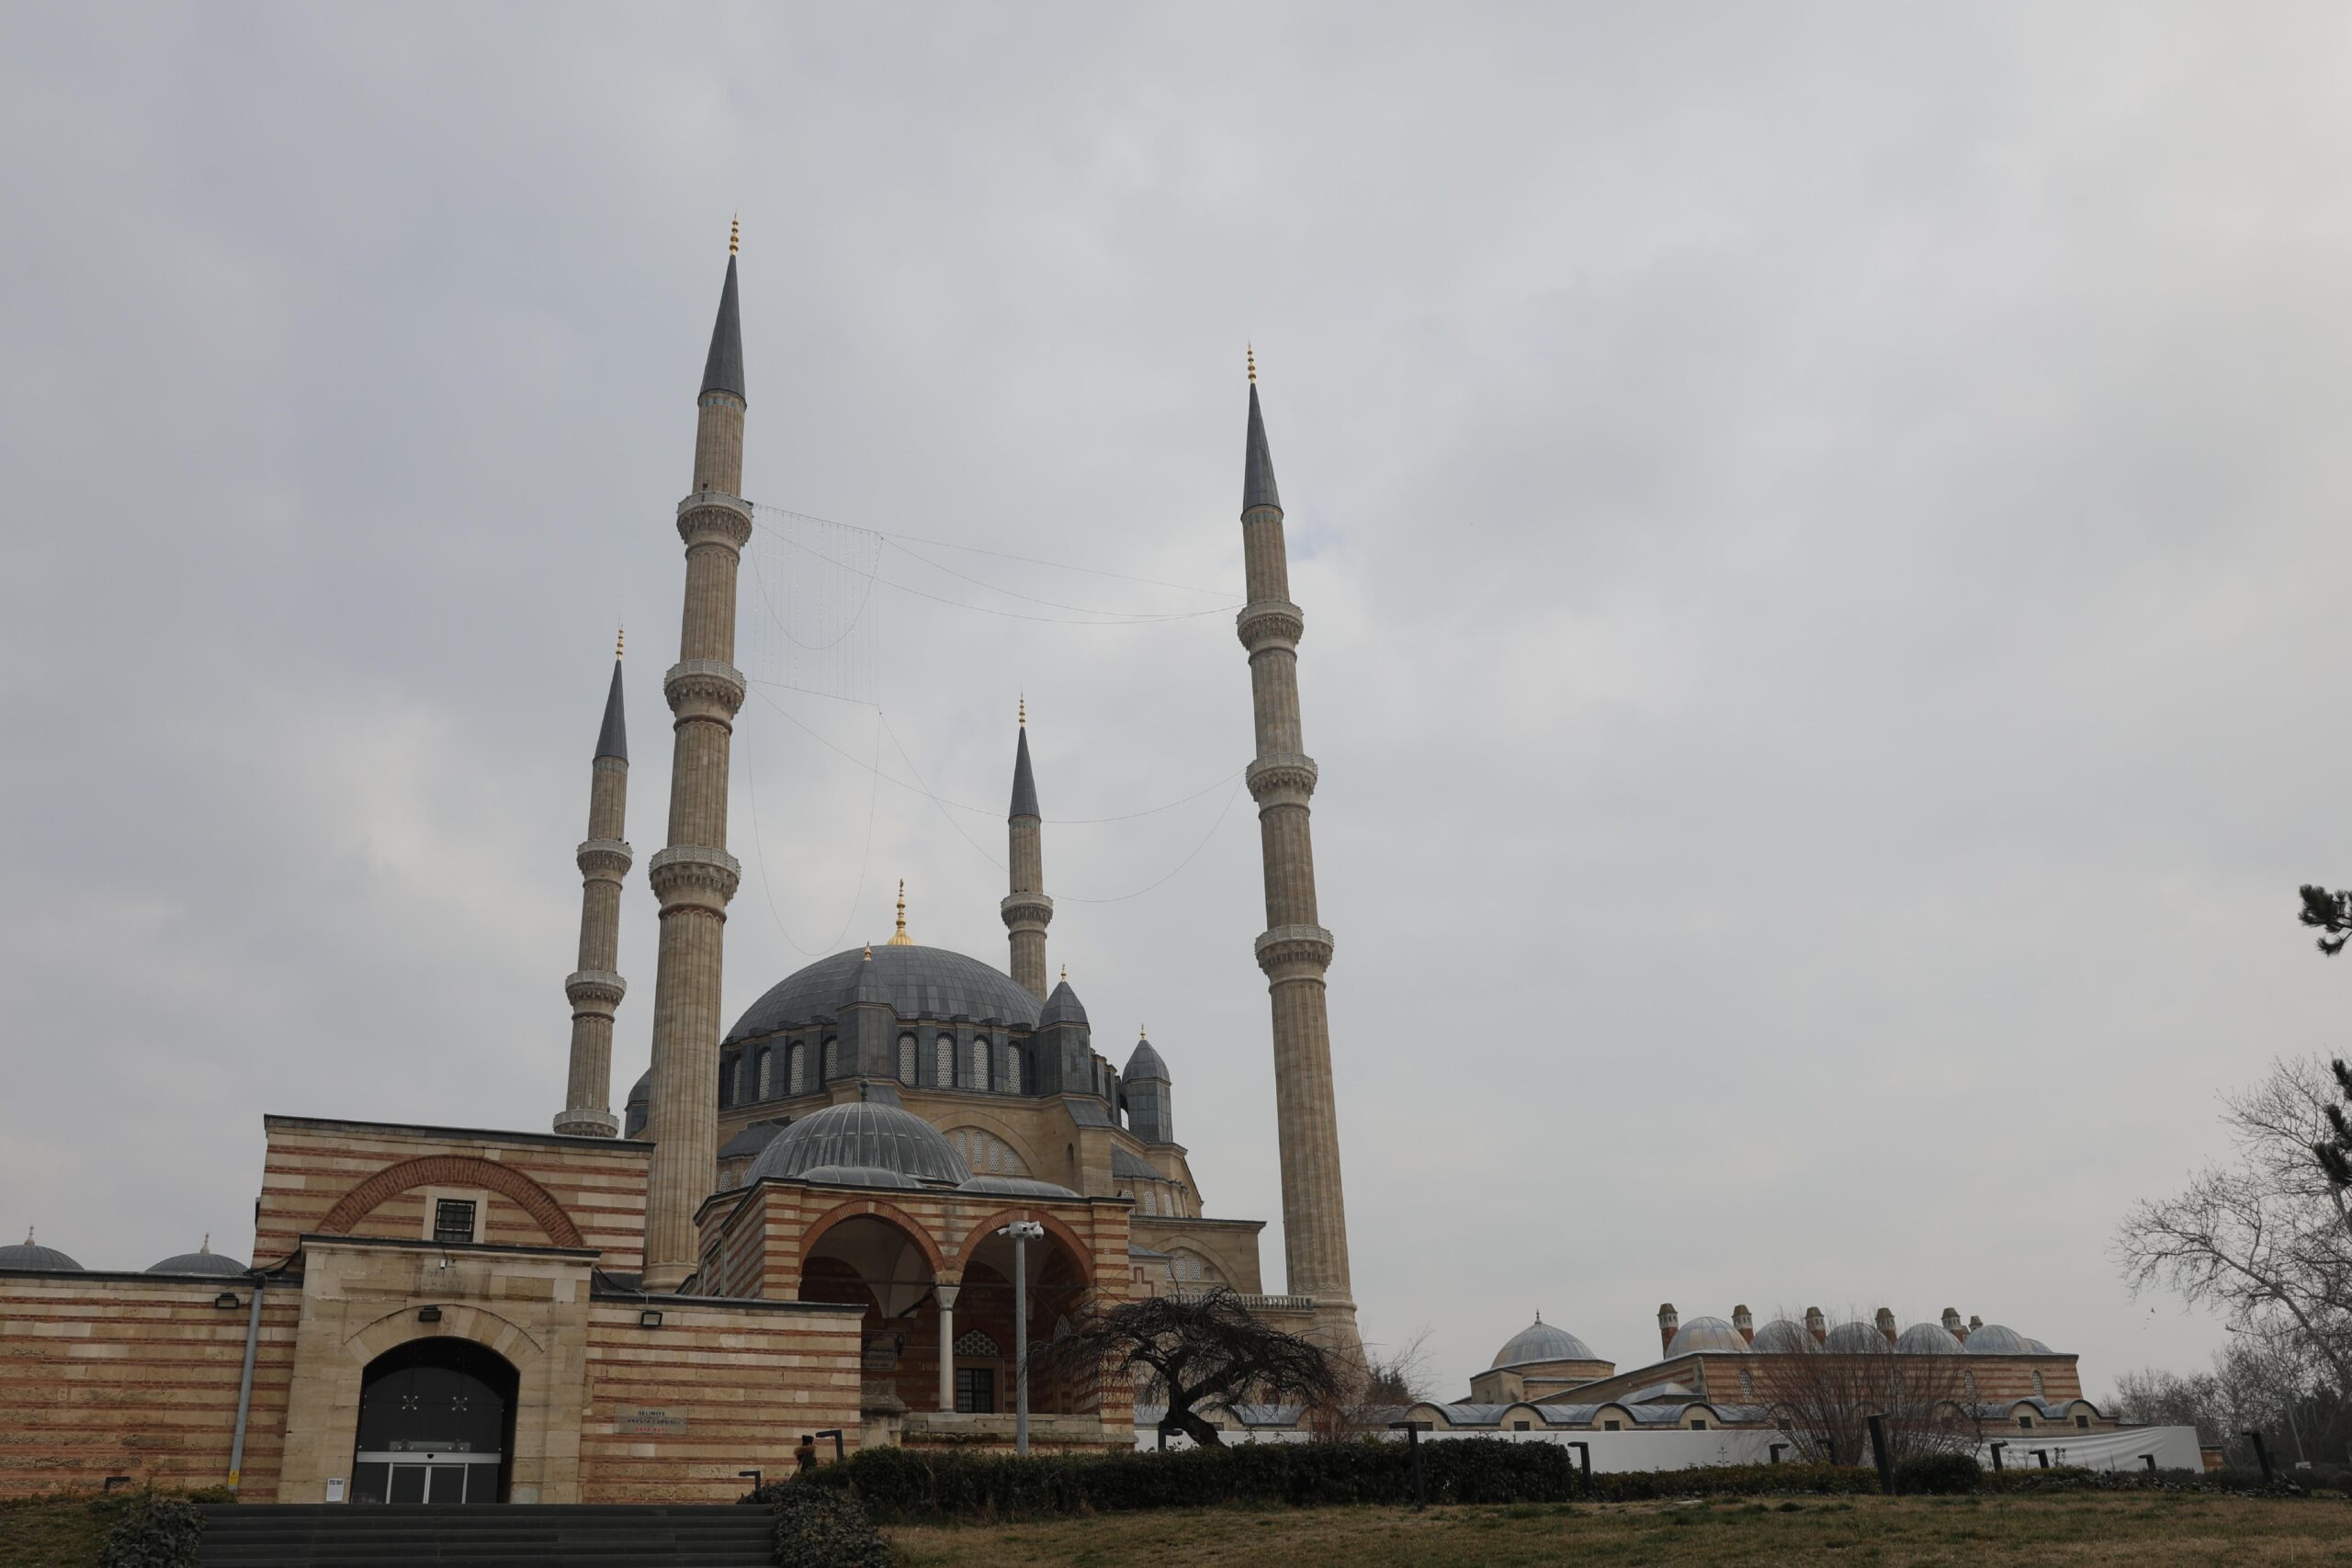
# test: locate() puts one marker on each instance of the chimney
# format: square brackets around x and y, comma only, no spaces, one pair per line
[1886,1324]
[1953,1326]
[1817,1324]
[1974,1322]
[1745,1322]
[1668,1322]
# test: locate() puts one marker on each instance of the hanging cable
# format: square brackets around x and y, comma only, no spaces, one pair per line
[857,889]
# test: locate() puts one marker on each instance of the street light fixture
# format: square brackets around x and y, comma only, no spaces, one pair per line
[1022,1231]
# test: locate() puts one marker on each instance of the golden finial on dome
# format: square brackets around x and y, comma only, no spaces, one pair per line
[1252,351]
[869,953]
[207,1247]
[1064,974]
[734,234]
[902,939]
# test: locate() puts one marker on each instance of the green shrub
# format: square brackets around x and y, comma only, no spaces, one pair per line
[821,1528]
[1939,1476]
[153,1532]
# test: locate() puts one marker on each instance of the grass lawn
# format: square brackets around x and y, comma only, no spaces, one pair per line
[52,1532]
[2159,1529]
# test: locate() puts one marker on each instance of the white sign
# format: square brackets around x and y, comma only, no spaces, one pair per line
[335,1490]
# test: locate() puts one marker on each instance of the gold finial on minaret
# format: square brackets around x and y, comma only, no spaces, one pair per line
[1252,351]
[1025,710]
[735,234]
[902,939]
[620,641]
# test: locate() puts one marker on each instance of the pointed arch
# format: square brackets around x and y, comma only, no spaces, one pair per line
[453,1170]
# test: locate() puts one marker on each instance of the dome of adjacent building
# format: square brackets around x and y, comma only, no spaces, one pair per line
[1782,1337]
[1927,1339]
[1996,1339]
[862,1143]
[918,982]
[31,1254]
[1542,1341]
[1705,1334]
[1016,1187]
[1852,1337]
[203,1261]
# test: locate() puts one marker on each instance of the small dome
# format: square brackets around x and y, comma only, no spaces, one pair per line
[1996,1339]
[1850,1338]
[863,1143]
[1706,1333]
[1542,1341]
[1063,1007]
[1781,1337]
[1144,1063]
[1015,1187]
[1927,1339]
[31,1254]
[2039,1349]
[203,1261]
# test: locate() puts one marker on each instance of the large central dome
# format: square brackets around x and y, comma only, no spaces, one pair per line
[920,982]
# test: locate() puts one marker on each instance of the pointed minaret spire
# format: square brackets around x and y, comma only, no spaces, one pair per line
[1026,909]
[595,988]
[1294,949]
[694,876]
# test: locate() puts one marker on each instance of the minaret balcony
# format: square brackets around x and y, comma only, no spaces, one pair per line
[1027,911]
[1284,778]
[591,985]
[1269,622]
[605,860]
[1288,953]
[704,688]
[694,876]
[713,516]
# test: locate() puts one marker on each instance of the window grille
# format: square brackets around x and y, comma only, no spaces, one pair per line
[798,1059]
[972,1342]
[943,1064]
[1012,1069]
[906,1058]
[766,1072]
[453,1220]
[980,1064]
[833,1059]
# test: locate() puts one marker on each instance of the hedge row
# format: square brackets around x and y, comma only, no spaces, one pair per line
[2243,1483]
[901,1485]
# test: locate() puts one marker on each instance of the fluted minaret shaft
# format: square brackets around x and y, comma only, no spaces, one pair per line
[1026,909]
[694,877]
[1296,950]
[595,988]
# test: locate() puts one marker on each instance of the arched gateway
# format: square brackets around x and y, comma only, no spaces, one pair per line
[437,1425]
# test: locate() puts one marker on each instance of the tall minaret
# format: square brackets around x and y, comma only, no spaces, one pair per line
[1295,950]
[696,877]
[1026,909]
[595,988]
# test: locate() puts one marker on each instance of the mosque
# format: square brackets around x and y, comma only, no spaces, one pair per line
[801,1221]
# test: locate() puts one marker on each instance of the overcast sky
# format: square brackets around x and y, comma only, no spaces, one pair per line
[1820,530]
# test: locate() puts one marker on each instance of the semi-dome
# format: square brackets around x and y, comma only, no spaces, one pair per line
[862,1144]
[203,1261]
[1705,1334]
[1542,1341]
[1996,1339]
[1927,1339]
[918,982]
[1850,1339]
[1782,1337]
[31,1254]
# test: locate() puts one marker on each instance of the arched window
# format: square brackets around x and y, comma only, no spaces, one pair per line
[1151,1201]
[726,1082]
[2039,1392]
[765,1078]
[1191,1268]
[1012,1069]
[906,1058]
[943,1061]
[987,1154]
[981,1064]
[972,1342]
[797,1060]
[832,1058]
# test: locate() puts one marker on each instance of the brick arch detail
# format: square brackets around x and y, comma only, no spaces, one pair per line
[874,1208]
[453,1170]
[1081,1252]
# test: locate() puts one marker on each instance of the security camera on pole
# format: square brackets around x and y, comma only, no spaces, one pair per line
[1022,1231]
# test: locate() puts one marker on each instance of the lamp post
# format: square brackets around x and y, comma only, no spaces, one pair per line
[1022,1231]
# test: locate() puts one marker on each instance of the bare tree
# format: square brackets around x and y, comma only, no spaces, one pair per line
[1199,1353]
[1374,1391]
[2265,1235]
[1824,1400]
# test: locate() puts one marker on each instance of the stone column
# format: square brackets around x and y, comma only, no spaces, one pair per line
[694,877]
[1026,909]
[595,988]
[1294,949]
[948,1294]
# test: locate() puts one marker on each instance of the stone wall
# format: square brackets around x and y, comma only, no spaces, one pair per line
[375,1179]
[135,1375]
